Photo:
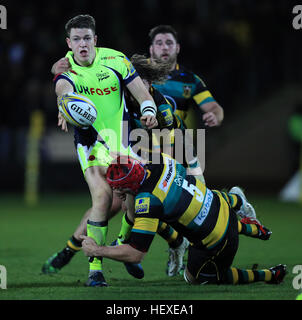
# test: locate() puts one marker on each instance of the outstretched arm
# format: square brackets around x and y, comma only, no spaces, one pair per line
[123,253]
[62,87]
[146,102]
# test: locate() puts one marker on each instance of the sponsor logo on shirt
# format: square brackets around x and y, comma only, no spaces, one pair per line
[142,205]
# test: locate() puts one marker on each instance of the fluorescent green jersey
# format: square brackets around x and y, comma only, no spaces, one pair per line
[103,82]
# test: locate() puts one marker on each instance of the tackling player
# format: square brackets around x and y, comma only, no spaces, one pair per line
[206,217]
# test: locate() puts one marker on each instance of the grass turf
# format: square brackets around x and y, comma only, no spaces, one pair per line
[30,235]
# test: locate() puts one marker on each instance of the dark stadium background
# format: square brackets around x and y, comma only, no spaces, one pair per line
[247,52]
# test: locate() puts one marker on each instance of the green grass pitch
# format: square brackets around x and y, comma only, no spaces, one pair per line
[30,235]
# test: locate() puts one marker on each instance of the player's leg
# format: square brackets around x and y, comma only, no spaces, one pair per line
[208,265]
[73,244]
[273,275]
[248,225]
[177,248]
[97,223]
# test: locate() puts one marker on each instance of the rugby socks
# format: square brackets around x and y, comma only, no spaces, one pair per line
[169,234]
[98,232]
[125,231]
[250,230]
[74,244]
[242,276]
[233,200]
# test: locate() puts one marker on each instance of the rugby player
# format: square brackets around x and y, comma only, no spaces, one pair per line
[207,218]
[183,88]
[166,120]
[100,74]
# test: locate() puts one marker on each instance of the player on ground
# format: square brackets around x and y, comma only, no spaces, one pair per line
[206,217]
[100,74]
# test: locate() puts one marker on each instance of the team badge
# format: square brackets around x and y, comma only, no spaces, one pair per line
[102,76]
[187,91]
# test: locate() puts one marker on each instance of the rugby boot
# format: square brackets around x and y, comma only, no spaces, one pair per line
[57,261]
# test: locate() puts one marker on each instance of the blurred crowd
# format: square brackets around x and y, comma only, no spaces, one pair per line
[242,49]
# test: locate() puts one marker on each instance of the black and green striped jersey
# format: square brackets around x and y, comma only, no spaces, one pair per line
[168,194]
[182,88]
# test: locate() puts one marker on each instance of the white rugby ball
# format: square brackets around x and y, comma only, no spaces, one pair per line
[77,110]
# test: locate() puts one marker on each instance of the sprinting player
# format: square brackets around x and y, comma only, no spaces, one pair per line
[100,74]
[206,217]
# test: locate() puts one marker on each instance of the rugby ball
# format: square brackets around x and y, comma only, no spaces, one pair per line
[77,110]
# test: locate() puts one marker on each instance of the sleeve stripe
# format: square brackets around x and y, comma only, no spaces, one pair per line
[62,76]
[200,97]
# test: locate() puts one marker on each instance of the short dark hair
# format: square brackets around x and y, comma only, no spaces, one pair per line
[163,28]
[82,21]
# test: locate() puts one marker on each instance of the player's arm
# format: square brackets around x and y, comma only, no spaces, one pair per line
[62,87]
[123,253]
[213,113]
[146,102]
[62,65]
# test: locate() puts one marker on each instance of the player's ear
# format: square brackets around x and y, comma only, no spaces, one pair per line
[150,50]
[95,39]
[177,48]
[68,42]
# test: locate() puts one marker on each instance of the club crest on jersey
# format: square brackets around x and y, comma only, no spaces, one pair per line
[142,205]
[102,76]
[187,91]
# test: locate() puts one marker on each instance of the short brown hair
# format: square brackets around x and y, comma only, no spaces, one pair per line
[82,21]
[163,28]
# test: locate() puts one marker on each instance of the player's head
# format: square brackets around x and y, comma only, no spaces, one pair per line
[81,38]
[150,72]
[164,45]
[125,173]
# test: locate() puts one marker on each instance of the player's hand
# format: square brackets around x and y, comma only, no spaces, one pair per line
[62,122]
[148,122]
[63,65]
[210,119]
[88,246]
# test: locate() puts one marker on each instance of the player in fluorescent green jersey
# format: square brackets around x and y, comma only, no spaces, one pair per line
[207,218]
[100,75]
